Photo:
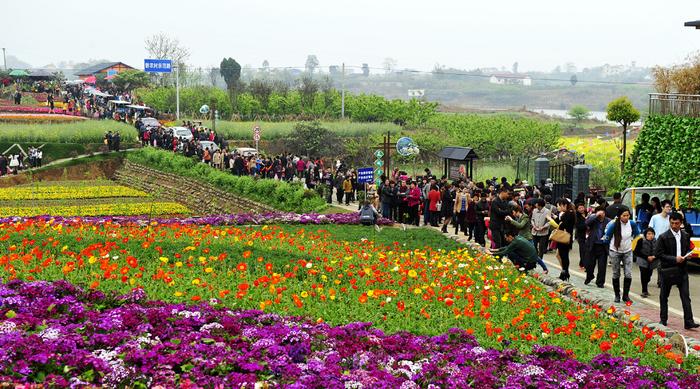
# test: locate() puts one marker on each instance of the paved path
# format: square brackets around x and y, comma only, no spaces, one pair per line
[646,308]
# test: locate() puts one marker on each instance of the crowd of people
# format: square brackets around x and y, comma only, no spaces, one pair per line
[524,223]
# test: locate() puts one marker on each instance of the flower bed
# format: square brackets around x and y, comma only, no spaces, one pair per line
[33,118]
[53,192]
[339,274]
[142,208]
[28,109]
[61,335]
[214,220]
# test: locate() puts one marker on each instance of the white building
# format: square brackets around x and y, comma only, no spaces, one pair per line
[511,79]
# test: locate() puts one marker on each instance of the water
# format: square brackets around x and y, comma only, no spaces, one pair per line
[560,113]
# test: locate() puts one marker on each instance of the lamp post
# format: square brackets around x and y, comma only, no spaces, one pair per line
[4,59]
[695,23]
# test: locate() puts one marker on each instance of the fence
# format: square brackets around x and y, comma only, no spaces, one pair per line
[674,104]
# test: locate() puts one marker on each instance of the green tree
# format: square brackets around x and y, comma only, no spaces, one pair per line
[312,139]
[231,72]
[311,63]
[623,112]
[131,79]
[579,113]
[308,88]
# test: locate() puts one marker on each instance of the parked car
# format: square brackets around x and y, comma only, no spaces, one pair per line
[211,145]
[181,132]
[246,151]
[148,122]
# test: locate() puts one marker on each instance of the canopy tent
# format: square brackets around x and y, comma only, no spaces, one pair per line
[97,93]
[90,80]
[139,107]
[40,74]
[19,73]
[75,82]
[119,102]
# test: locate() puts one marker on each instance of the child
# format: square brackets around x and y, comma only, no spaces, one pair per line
[644,255]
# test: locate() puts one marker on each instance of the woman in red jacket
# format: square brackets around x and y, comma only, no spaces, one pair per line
[434,198]
[413,203]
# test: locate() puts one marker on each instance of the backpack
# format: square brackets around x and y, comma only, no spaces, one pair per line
[367,215]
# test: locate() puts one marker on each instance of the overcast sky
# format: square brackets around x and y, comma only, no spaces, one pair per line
[539,34]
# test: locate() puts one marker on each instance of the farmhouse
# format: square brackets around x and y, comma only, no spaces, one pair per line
[511,79]
[108,68]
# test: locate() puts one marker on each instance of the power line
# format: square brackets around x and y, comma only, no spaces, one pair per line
[413,71]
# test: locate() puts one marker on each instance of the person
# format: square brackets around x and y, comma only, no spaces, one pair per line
[425,190]
[482,211]
[368,214]
[580,230]
[500,208]
[614,209]
[521,222]
[567,221]
[671,249]
[620,233]
[519,250]
[540,226]
[18,97]
[661,222]
[413,203]
[645,258]
[433,207]
[470,220]
[388,194]
[402,201]
[50,100]
[461,205]
[644,211]
[596,246]
[347,188]
[448,203]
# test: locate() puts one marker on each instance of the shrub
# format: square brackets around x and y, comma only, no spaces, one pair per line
[278,194]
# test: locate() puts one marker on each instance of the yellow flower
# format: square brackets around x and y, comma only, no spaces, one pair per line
[304,294]
[164,259]
[370,293]
[208,270]
[417,291]
[178,294]
[195,281]
[412,273]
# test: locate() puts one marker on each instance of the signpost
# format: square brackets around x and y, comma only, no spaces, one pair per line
[365,175]
[256,137]
[378,163]
[165,66]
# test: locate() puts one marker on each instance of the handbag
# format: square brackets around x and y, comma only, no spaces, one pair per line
[438,205]
[560,236]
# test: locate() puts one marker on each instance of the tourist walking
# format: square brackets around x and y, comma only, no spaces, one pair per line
[567,221]
[461,205]
[448,203]
[597,247]
[620,234]
[434,205]
[580,230]
[672,248]
[646,259]
[482,211]
[414,195]
[540,226]
[500,208]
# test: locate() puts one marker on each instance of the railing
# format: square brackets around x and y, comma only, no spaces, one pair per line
[674,104]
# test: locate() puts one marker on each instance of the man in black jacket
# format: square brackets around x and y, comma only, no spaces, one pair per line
[500,208]
[671,248]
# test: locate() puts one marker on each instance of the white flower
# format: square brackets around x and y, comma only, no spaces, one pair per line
[50,334]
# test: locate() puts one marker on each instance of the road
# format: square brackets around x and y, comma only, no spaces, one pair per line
[674,301]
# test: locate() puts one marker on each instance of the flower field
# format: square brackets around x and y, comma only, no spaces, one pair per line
[35,118]
[330,274]
[82,198]
[64,336]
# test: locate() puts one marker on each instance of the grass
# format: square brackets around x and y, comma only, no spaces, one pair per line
[82,160]
[84,132]
[276,130]
[482,170]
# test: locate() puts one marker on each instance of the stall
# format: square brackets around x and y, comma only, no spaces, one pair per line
[458,162]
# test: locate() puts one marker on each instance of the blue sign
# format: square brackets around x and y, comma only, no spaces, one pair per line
[157,65]
[112,73]
[365,175]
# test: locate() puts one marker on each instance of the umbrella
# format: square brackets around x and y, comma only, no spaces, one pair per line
[91,80]
[19,73]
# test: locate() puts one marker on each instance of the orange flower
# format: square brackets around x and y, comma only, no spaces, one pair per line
[246,254]
[605,346]
[196,298]
[242,267]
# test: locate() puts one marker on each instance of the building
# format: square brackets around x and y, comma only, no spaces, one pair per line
[511,79]
[107,68]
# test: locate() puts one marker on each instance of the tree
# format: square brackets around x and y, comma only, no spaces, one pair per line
[231,72]
[684,78]
[311,63]
[623,112]
[161,46]
[579,113]
[266,66]
[573,80]
[389,64]
[515,68]
[312,139]
[307,88]
[131,79]
[365,69]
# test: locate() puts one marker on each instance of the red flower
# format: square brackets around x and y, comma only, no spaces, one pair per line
[242,266]
[605,346]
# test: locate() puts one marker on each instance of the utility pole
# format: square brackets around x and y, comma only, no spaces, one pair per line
[342,94]
[4,59]
[177,91]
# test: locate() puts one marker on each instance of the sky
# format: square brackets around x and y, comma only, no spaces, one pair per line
[466,34]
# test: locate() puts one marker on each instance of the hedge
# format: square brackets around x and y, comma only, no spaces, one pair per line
[278,194]
[667,152]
